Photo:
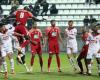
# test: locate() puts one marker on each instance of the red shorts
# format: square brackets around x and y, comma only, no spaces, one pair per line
[53,48]
[36,49]
[84,51]
[21,29]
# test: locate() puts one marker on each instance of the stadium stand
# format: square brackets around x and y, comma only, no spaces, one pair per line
[67,10]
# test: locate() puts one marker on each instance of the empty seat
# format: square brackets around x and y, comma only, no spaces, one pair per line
[80,6]
[68,10]
[4,6]
[9,7]
[68,6]
[70,17]
[96,11]
[90,12]
[72,12]
[76,17]
[5,12]
[78,11]
[85,11]
[63,17]
[74,6]
[63,6]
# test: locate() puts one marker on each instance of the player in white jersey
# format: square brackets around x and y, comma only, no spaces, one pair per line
[16,45]
[93,50]
[7,27]
[6,48]
[70,34]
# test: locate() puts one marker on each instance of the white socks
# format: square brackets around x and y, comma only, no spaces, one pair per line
[72,62]
[12,64]
[26,67]
[89,68]
[4,66]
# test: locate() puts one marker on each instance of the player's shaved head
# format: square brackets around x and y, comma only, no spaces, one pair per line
[34,24]
[26,8]
[70,23]
[52,21]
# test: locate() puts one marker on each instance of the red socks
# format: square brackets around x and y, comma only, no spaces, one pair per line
[41,62]
[32,61]
[49,62]
[58,61]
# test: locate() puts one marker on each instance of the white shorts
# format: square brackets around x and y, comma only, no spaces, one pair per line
[6,50]
[92,53]
[72,47]
[72,50]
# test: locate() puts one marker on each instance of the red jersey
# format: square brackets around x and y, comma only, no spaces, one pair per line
[35,35]
[22,16]
[52,33]
[84,38]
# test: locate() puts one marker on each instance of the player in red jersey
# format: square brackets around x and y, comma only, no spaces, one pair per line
[22,15]
[36,37]
[83,53]
[53,37]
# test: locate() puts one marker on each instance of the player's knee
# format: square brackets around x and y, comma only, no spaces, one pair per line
[33,55]
[11,60]
[57,55]
[10,56]
[40,56]
[50,55]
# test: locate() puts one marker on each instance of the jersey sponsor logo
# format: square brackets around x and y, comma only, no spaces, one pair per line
[22,15]
[54,34]
[36,36]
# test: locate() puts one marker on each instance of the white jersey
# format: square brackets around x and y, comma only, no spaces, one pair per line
[5,39]
[94,42]
[11,29]
[94,46]
[6,43]
[71,35]
[71,40]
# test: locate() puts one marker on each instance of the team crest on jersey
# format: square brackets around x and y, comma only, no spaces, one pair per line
[36,36]
[54,34]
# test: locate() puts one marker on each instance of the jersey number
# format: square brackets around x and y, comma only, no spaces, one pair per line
[21,15]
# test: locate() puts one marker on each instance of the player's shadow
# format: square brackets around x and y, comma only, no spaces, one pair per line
[59,74]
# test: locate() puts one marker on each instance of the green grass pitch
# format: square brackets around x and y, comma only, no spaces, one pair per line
[66,74]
